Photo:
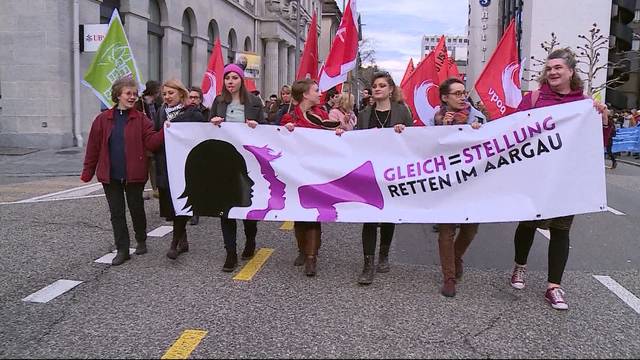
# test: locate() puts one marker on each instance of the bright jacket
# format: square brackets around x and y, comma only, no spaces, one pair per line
[138,137]
[319,117]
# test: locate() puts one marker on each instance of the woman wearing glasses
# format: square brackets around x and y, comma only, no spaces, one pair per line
[386,112]
[454,110]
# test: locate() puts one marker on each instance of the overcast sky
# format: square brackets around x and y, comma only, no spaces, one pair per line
[396,27]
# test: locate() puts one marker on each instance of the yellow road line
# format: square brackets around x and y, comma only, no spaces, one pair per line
[287,225]
[253,266]
[186,343]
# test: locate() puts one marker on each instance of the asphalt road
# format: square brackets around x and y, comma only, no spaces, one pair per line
[141,308]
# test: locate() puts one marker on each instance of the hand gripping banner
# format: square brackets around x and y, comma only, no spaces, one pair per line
[536,164]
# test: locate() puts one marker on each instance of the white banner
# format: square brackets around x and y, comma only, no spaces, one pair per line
[538,164]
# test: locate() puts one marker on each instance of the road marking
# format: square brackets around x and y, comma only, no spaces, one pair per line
[161,231]
[186,343]
[107,259]
[254,265]
[74,192]
[52,291]
[545,233]
[624,294]
[287,225]
[614,211]
[48,200]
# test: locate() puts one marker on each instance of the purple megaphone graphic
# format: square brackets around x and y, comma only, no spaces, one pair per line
[359,186]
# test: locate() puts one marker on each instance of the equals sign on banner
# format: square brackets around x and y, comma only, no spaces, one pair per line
[454,159]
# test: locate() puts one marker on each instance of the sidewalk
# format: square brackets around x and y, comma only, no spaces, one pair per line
[626,159]
[16,162]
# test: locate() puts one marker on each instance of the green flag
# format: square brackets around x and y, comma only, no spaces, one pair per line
[113,61]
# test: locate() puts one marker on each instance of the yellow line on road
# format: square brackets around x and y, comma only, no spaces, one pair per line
[186,343]
[287,225]
[253,266]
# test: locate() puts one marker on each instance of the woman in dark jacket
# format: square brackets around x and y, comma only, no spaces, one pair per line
[386,112]
[174,109]
[236,104]
[116,148]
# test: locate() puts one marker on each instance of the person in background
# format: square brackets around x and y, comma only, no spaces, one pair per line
[342,111]
[195,99]
[149,104]
[176,108]
[271,108]
[115,152]
[236,105]
[330,97]
[285,106]
[366,99]
[608,133]
[559,84]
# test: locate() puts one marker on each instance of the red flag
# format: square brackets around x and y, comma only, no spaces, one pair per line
[250,85]
[441,60]
[452,68]
[213,78]
[421,91]
[499,83]
[407,72]
[344,49]
[309,63]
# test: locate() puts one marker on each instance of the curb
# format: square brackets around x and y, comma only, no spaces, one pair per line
[628,162]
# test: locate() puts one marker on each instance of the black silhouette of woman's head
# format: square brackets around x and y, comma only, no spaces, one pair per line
[216,179]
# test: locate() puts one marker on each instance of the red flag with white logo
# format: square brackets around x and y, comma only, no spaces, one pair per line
[213,78]
[441,60]
[407,72]
[309,63]
[421,92]
[344,50]
[499,83]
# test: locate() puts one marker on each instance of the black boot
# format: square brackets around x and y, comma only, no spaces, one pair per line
[121,257]
[173,249]
[299,261]
[366,277]
[195,219]
[183,245]
[231,262]
[383,263]
[249,249]
[141,247]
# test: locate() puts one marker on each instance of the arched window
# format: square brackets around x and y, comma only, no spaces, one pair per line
[187,46]
[154,35]
[106,9]
[214,33]
[247,44]
[232,40]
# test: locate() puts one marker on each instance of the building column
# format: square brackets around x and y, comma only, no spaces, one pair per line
[198,60]
[136,29]
[283,64]
[171,54]
[271,67]
[292,65]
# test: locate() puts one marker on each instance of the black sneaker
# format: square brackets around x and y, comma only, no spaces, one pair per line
[120,258]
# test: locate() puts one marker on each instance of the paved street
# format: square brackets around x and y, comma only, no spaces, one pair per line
[141,308]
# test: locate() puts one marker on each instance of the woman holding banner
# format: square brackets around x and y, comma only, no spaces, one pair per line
[559,84]
[454,110]
[386,112]
[308,114]
[116,149]
[236,105]
[174,109]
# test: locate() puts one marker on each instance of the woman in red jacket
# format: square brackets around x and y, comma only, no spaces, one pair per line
[307,114]
[115,153]
[559,84]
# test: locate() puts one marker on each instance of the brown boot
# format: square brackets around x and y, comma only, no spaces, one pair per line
[311,245]
[299,231]
[449,288]
[173,248]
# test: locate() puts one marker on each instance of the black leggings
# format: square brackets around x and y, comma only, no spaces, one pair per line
[229,230]
[610,153]
[558,252]
[370,235]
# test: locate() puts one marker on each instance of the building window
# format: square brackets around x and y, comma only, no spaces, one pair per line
[232,40]
[106,9]
[636,18]
[187,46]
[247,44]
[154,35]
[214,34]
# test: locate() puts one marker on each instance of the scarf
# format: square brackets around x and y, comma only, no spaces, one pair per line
[173,112]
[459,117]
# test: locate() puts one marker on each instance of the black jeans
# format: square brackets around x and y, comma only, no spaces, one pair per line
[558,252]
[370,235]
[610,153]
[115,193]
[230,228]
